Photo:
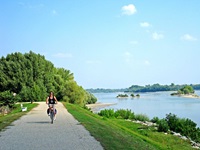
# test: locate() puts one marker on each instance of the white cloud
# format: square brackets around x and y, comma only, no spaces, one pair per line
[129,9]
[145,24]
[188,37]
[157,36]
[63,55]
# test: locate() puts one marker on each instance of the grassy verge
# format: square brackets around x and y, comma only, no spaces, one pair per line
[121,134]
[16,113]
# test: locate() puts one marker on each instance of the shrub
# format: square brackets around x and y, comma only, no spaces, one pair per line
[163,126]
[109,113]
[7,99]
[189,128]
[125,114]
[141,117]
[121,113]
[172,121]
[138,95]
[155,120]
[122,95]
[183,126]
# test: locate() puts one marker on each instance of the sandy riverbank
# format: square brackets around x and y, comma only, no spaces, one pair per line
[97,106]
[189,96]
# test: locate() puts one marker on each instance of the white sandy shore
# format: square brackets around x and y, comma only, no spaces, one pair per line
[189,96]
[97,106]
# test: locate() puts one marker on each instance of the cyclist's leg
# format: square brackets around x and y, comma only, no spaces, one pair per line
[48,110]
[54,109]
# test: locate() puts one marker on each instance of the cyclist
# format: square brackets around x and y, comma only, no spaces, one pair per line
[52,100]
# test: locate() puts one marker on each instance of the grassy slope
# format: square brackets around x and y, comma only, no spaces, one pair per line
[116,134]
[6,120]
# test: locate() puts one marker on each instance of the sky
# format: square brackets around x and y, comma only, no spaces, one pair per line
[106,43]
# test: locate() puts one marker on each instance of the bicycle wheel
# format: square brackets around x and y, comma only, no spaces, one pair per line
[52,116]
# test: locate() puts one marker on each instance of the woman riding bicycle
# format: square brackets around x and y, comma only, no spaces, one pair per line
[51,101]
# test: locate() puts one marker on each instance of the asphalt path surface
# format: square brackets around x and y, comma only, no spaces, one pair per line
[34,131]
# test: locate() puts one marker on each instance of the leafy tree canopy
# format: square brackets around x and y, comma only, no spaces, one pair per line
[31,77]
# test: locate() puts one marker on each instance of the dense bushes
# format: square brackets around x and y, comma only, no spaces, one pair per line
[125,114]
[8,99]
[122,95]
[185,127]
[31,77]
[108,113]
[163,125]
[122,114]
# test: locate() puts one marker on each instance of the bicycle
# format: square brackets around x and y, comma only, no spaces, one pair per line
[51,112]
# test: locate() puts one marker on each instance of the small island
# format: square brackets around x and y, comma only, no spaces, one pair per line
[122,96]
[186,91]
[137,95]
[126,95]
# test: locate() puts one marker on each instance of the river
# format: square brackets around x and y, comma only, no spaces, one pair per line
[155,104]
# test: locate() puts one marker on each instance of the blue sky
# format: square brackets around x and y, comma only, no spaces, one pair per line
[108,44]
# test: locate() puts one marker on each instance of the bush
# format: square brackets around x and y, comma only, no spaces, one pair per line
[122,95]
[109,113]
[163,126]
[121,113]
[155,120]
[141,117]
[124,114]
[183,126]
[138,95]
[7,99]
[172,121]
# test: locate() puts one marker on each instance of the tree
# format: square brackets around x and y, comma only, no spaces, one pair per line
[32,77]
[7,99]
[187,90]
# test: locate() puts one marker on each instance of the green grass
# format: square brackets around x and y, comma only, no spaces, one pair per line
[114,134]
[16,113]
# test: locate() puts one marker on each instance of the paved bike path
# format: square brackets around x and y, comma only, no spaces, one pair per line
[35,132]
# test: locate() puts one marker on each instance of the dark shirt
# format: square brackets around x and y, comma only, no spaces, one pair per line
[52,100]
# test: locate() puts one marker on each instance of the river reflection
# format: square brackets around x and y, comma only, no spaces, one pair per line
[155,104]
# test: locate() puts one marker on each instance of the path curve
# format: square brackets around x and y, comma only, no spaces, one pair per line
[34,131]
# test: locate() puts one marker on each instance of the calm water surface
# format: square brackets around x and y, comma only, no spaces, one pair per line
[155,104]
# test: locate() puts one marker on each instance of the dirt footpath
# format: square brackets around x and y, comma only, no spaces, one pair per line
[34,131]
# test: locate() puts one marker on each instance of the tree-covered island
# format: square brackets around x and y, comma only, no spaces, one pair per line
[126,95]
[122,96]
[186,91]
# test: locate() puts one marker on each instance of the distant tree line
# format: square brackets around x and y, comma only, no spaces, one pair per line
[147,88]
[30,77]
[101,90]
[158,87]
